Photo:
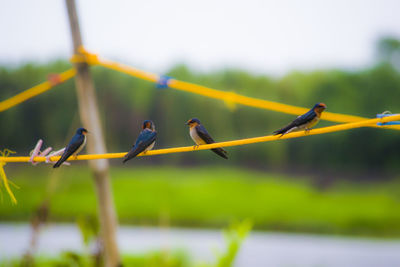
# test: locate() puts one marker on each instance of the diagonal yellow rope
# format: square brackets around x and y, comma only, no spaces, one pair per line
[36,90]
[268,138]
[229,97]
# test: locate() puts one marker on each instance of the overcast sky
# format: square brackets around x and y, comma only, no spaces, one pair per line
[271,37]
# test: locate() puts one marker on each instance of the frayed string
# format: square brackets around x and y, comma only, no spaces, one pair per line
[5,153]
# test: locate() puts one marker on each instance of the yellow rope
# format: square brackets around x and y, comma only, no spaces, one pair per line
[85,57]
[34,91]
[151,77]
[335,128]
[230,97]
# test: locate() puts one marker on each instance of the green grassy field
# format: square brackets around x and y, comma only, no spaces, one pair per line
[211,197]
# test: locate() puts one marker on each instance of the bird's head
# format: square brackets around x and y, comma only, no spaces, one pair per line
[319,108]
[193,122]
[82,131]
[148,124]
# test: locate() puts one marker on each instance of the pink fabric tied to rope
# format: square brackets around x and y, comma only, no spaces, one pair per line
[45,153]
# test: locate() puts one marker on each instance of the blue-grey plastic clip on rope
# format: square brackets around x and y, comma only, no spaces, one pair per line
[163,82]
[386,114]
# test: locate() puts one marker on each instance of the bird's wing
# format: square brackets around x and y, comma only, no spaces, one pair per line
[221,152]
[73,146]
[145,138]
[310,115]
[203,134]
[300,120]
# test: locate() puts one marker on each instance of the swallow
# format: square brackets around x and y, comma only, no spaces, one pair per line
[75,146]
[200,136]
[305,121]
[144,142]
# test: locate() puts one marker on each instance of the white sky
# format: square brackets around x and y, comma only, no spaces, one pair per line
[270,37]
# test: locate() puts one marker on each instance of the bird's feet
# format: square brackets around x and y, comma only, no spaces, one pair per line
[195,146]
[307,130]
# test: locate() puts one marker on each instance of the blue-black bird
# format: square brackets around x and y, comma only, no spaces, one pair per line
[75,146]
[200,136]
[144,142]
[305,121]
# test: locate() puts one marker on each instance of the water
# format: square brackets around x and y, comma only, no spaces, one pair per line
[259,250]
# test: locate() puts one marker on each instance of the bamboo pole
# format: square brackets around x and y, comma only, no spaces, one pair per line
[90,118]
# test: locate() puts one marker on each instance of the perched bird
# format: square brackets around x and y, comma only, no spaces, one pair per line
[74,147]
[144,142]
[200,136]
[305,121]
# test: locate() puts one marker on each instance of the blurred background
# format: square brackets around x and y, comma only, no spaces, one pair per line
[327,200]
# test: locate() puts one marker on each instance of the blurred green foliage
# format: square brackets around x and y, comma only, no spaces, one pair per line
[126,101]
[73,259]
[213,197]
[89,228]
[235,234]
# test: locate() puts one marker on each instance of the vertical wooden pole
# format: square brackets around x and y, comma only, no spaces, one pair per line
[90,118]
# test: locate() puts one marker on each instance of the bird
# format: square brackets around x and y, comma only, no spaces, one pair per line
[144,142]
[200,136]
[75,146]
[305,121]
